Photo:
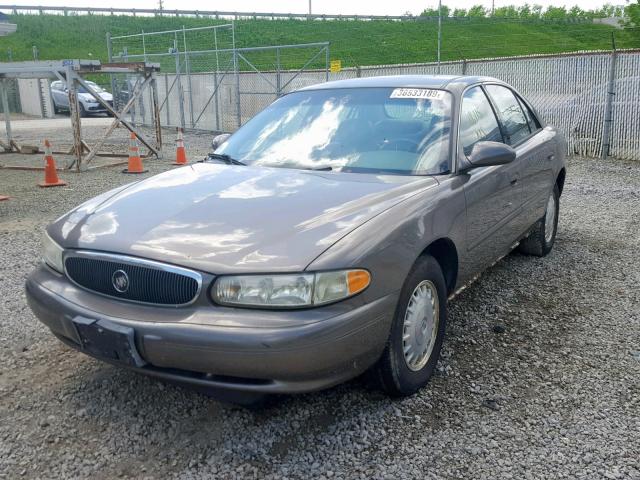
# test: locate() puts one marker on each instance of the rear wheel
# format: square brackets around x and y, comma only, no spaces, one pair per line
[543,234]
[417,333]
[83,111]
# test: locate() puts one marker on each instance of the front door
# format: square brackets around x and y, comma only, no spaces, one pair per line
[493,195]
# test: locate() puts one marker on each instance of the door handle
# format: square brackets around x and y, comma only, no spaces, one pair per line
[514,181]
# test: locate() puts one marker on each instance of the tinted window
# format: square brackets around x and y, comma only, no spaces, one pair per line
[477,120]
[511,115]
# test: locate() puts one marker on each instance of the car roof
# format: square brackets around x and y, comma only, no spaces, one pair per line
[450,82]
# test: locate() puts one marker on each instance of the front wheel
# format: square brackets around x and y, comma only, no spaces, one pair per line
[417,332]
[543,234]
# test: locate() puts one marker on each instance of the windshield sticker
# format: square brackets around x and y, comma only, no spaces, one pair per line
[417,93]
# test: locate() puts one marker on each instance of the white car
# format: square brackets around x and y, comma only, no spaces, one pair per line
[88,104]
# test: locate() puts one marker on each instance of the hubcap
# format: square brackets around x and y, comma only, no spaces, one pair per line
[420,326]
[550,219]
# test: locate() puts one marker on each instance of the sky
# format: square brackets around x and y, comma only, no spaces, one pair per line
[363,7]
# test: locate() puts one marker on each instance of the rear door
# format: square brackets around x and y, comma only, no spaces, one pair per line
[534,152]
[493,194]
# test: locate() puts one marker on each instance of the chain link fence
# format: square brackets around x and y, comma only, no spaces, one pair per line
[208,84]
[573,92]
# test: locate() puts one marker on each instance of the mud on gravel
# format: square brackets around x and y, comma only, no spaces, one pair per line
[540,375]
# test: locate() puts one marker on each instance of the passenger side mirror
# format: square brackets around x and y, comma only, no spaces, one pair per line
[219,140]
[487,154]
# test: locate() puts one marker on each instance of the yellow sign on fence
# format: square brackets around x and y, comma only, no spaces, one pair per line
[336,66]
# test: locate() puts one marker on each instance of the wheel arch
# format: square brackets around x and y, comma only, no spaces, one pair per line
[446,254]
[560,179]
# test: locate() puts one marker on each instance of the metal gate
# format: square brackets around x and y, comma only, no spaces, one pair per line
[207,83]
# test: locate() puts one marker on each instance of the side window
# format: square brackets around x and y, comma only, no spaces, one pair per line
[511,115]
[533,122]
[477,120]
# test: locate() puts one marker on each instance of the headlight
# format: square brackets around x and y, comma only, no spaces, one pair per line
[52,253]
[289,290]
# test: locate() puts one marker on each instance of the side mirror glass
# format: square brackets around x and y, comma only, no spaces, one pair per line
[486,154]
[219,140]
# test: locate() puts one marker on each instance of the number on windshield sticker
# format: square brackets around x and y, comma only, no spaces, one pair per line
[417,93]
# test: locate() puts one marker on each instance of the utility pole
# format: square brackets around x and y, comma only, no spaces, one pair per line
[160,6]
[439,31]
[309,7]
[493,7]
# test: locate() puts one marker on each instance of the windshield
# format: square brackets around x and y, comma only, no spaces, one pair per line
[367,130]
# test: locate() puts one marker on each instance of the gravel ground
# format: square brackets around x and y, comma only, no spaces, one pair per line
[540,376]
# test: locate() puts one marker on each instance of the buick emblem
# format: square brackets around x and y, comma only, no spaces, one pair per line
[120,281]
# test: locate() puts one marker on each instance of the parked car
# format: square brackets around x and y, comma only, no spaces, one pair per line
[88,104]
[320,240]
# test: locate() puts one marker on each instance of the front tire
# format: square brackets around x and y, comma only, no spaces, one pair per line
[417,332]
[543,234]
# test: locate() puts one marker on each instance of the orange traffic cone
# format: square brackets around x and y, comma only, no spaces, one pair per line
[50,174]
[135,162]
[181,156]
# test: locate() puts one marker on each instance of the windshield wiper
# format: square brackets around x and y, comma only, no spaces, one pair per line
[320,169]
[224,158]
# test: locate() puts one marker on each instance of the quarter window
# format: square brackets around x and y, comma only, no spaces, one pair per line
[531,119]
[511,116]
[477,121]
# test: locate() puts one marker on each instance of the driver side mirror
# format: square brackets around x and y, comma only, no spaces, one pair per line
[487,154]
[219,140]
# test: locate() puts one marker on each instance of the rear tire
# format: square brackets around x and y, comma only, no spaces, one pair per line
[417,332]
[543,234]
[83,112]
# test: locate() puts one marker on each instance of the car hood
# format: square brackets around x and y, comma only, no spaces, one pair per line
[222,219]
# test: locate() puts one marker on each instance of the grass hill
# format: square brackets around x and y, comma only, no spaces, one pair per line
[354,42]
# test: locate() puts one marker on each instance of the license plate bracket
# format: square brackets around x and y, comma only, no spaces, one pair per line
[108,340]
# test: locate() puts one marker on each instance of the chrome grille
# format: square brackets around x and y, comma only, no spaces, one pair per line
[146,281]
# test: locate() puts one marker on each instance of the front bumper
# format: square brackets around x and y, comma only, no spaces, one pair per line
[273,359]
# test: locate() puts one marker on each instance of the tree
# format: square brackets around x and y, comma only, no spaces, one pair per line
[632,12]
[555,13]
[459,12]
[536,11]
[525,11]
[433,12]
[508,11]
[576,12]
[477,11]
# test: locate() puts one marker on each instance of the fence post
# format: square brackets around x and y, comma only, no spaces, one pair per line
[464,66]
[116,97]
[5,108]
[179,81]
[327,62]
[166,99]
[608,109]
[155,108]
[358,72]
[278,79]
[237,72]
[187,62]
